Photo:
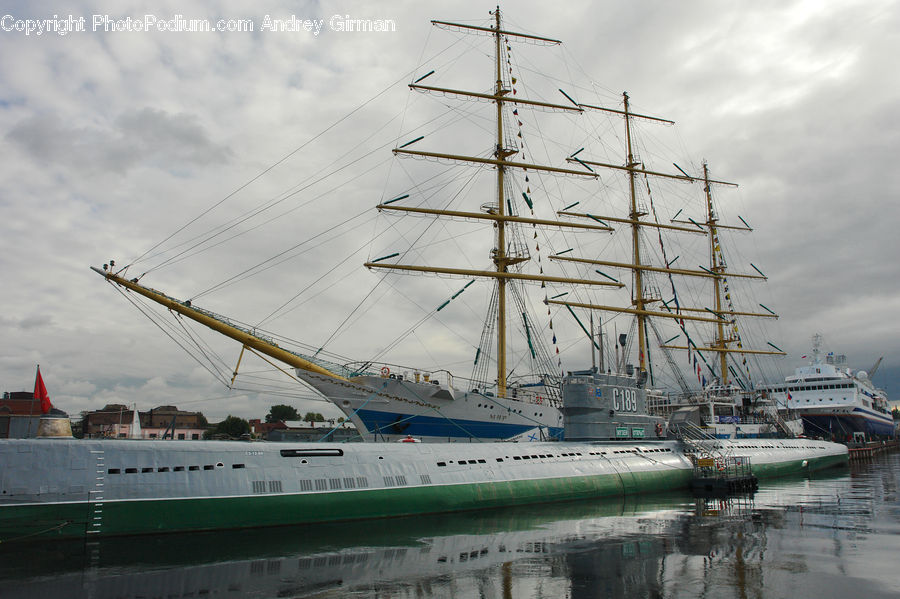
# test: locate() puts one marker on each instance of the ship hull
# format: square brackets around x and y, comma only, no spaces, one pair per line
[72,488]
[390,409]
[841,423]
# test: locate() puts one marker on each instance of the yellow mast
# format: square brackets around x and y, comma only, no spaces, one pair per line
[638,300]
[720,316]
[500,257]
[718,268]
[246,338]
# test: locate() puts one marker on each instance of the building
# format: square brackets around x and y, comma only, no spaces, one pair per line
[296,430]
[115,420]
[261,429]
[20,415]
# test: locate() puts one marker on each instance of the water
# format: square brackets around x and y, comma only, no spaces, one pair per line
[835,535]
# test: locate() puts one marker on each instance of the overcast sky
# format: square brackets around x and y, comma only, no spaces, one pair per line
[112,140]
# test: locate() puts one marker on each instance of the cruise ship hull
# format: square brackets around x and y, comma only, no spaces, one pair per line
[842,422]
[75,488]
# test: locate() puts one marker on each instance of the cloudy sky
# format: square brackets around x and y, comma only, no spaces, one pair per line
[115,140]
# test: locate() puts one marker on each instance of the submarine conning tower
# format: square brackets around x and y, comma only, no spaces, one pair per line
[601,406]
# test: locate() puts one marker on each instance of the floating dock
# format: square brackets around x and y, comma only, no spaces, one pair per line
[723,476]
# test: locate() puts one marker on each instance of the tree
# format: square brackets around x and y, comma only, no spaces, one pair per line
[281,413]
[313,417]
[232,427]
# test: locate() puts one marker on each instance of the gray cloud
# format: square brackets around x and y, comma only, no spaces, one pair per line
[146,137]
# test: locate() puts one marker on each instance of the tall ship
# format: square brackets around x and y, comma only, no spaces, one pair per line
[513,388]
[834,401]
[538,213]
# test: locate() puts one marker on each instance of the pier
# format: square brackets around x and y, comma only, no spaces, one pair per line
[866,451]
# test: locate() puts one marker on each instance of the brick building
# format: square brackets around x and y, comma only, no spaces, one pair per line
[114,420]
[20,414]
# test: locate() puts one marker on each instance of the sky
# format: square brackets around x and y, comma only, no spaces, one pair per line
[115,138]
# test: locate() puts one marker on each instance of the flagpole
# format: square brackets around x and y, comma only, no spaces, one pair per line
[37,373]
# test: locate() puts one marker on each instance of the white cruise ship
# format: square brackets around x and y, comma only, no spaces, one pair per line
[833,400]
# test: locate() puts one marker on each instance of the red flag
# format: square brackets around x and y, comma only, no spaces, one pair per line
[40,392]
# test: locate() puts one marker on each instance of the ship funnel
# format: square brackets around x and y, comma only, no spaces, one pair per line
[54,425]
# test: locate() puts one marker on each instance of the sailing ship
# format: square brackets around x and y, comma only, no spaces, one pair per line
[436,406]
[521,398]
[834,401]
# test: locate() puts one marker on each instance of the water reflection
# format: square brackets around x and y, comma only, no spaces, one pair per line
[830,536]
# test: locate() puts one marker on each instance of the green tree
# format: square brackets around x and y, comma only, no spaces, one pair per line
[281,413]
[232,427]
[313,417]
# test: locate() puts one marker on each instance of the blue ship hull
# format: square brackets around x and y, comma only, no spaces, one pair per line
[417,425]
[841,426]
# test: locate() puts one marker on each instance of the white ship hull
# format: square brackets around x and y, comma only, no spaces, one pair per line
[391,409]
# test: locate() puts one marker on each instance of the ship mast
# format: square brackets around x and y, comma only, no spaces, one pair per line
[722,343]
[722,315]
[638,291]
[718,267]
[640,301]
[501,257]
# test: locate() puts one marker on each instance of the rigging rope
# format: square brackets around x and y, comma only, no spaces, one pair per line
[272,166]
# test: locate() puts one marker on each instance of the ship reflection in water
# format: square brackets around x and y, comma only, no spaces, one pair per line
[829,536]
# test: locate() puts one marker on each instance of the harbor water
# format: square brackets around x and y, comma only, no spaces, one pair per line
[833,535]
